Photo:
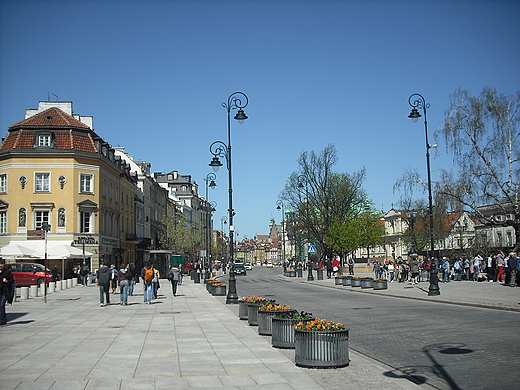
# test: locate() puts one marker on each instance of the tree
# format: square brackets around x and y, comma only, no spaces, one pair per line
[319,196]
[482,133]
[178,234]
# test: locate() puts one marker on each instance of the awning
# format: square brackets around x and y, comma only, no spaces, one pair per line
[55,249]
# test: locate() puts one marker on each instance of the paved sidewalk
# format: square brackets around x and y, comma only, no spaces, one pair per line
[192,341]
[489,295]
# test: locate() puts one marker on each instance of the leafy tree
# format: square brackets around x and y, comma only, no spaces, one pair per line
[178,234]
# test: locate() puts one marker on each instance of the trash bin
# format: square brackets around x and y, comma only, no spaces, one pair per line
[299,272]
[320,274]
[196,277]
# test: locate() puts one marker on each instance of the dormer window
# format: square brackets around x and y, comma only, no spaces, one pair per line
[44,139]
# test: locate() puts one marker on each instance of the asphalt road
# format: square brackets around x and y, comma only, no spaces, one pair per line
[445,346]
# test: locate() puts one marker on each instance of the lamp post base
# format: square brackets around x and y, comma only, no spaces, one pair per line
[309,276]
[232,296]
[434,289]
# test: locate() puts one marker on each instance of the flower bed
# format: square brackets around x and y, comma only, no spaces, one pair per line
[356,281]
[283,327]
[380,284]
[338,280]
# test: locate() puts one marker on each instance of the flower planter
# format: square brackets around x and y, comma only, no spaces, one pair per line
[252,314]
[265,320]
[380,284]
[356,282]
[291,274]
[283,332]
[367,283]
[338,281]
[321,349]
[242,310]
[218,290]
[347,281]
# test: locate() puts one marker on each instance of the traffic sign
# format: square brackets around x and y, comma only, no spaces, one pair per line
[311,248]
[36,234]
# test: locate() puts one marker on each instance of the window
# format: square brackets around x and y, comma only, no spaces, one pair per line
[509,236]
[44,140]
[3,183]
[86,183]
[104,188]
[85,221]
[3,222]
[43,182]
[499,238]
[41,217]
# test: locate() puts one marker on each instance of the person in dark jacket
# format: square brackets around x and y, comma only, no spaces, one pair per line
[103,282]
[7,288]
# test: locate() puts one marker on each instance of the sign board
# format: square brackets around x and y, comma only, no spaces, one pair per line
[311,248]
[36,234]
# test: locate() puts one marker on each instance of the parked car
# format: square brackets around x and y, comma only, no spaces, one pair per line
[248,266]
[240,269]
[269,264]
[26,274]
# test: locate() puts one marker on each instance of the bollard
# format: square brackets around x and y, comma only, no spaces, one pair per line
[24,293]
[69,283]
[52,287]
[34,290]
[74,282]
[58,285]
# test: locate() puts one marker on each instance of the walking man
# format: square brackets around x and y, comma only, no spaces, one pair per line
[174,277]
[103,282]
[147,274]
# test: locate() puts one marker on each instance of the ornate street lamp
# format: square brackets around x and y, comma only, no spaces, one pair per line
[417,103]
[238,101]
[210,183]
[280,206]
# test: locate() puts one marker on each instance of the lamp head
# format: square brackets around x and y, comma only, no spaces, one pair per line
[414,115]
[215,163]
[212,184]
[240,116]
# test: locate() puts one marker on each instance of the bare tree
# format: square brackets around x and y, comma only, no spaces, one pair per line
[482,133]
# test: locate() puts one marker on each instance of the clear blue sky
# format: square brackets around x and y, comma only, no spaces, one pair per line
[153,74]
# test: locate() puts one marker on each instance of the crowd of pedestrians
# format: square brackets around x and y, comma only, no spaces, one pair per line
[494,268]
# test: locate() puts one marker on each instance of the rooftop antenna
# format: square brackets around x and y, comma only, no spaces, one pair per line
[56,96]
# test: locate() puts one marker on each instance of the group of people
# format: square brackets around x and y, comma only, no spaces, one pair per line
[494,268]
[109,278]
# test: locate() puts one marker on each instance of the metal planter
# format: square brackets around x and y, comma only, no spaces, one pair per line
[252,314]
[242,310]
[283,332]
[356,282]
[380,284]
[347,281]
[338,280]
[321,349]
[367,283]
[265,320]
[218,290]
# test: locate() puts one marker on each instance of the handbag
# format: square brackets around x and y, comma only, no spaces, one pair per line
[334,268]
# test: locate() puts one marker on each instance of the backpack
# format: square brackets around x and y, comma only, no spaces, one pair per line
[148,274]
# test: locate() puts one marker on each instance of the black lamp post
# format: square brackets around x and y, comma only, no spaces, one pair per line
[237,100]
[280,206]
[46,228]
[302,178]
[210,183]
[417,102]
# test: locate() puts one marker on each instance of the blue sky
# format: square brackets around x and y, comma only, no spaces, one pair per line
[153,74]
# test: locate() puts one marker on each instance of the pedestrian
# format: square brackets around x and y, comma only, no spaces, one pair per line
[509,268]
[500,267]
[147,275]
[55,274]
[132,280]
[123,277]
[103,282]
[113,278]
[467,269]
[155,282]
[83,273]
[376,268]
[174,276]
[414,269]
[476,267]
[445,268]
[391,269]
[350,263]
[517,270]
[491,263]
[458,266]
[7,291]
[328,265]
[335,267]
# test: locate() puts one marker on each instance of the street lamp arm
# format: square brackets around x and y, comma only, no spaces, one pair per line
[235,101]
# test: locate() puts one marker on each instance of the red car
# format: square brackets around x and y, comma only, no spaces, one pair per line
[26,274]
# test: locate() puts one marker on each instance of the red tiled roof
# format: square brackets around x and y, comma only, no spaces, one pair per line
[52,117]
[69,133]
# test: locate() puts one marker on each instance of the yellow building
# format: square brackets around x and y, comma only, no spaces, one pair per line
[55,170]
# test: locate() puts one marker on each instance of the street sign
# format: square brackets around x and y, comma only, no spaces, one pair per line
[311,248]
[36,234]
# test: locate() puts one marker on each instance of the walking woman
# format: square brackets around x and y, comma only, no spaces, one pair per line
[7,290]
